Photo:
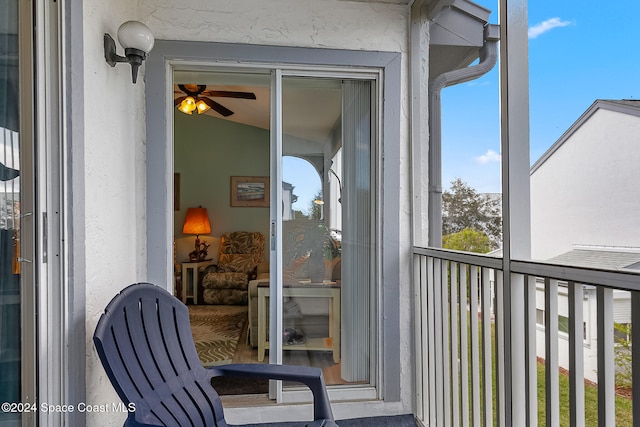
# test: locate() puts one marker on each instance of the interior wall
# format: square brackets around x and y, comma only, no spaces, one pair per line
[208,152]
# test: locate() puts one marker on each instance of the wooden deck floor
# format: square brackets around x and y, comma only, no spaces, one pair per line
[319,359]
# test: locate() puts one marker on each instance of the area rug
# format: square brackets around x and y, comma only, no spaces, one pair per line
[216,330]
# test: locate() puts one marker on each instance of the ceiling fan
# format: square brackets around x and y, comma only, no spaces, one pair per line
[196,97]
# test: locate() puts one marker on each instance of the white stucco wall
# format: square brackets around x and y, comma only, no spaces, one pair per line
[587,192]
[114,180]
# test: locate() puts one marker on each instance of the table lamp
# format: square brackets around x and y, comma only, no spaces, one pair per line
[197,222]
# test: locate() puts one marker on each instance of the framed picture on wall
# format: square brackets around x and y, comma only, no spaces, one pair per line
[250,191]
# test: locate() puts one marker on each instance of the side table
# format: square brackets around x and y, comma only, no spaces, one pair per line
[311,290]
[190,279]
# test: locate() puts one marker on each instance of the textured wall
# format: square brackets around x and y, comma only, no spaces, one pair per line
[114,180]
[587,191]
[311,23]
[114,147]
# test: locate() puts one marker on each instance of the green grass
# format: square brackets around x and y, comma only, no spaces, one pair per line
[624,415]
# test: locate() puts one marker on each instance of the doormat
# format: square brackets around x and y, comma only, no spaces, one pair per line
[216,330]
[230,386]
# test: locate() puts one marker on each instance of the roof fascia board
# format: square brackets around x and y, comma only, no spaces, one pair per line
[472,9]
[633,110]
[459,24]
[434,7]
[598,104]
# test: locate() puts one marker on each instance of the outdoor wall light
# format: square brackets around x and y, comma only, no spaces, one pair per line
[137,41]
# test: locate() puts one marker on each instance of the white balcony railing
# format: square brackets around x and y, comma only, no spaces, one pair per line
[478,342]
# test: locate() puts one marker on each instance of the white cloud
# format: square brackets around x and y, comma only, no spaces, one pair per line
[488,157]
[547,25]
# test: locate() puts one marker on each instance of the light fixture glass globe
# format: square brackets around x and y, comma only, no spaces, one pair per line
[202,106]
[187,105]
[136,35]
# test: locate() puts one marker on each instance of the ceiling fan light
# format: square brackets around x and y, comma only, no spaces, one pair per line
[187,105]
[202,106]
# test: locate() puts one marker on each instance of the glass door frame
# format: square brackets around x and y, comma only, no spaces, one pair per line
[185,55]
[275,238]
[276,220]
[27,256]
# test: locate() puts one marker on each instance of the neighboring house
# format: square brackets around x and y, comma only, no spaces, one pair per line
[288,199]
[98,163]
[584,189]
[584,203]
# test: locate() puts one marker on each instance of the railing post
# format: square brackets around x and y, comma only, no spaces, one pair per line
[551,352]
[421,338]
[475,344]
[432,350]
[501,329]
[437,349]
[531,360]
[606,360]
[635,355]
[487,359]
[445,331]
[576,355]
[464,345]
[453,339]
[515,365]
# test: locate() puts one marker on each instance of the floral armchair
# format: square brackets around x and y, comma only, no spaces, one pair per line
[238,258]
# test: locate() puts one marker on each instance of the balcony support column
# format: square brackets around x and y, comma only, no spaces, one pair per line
[514,114]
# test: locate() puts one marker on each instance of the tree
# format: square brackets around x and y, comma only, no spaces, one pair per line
[315,207]
[463,207]
[468,240]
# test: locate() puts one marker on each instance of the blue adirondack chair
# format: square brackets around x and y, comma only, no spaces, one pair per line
[145,344]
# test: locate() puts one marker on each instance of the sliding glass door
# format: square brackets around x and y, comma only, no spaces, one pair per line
[16,285]
[290,156]
[324,212]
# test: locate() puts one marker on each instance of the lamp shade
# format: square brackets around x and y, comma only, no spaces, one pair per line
[196,221]
[136,35]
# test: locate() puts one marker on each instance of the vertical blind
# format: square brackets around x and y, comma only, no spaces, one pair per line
[356,237]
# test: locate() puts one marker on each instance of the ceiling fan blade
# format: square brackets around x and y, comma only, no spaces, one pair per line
[177,101]
[217,107]
[192,89]
[230,94]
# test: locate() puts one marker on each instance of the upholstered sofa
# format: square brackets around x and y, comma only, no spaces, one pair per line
[239,255]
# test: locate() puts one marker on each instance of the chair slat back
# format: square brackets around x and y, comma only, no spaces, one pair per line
[145,343]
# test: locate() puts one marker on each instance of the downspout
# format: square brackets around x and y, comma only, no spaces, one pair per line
[488,57]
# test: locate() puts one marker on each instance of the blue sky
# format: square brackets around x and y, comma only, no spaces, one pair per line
[579,51]
[305,180]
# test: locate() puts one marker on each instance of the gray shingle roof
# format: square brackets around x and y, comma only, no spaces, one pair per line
[628,102]
[606,259]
